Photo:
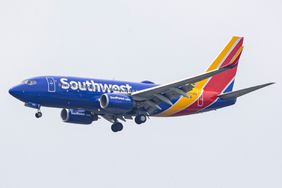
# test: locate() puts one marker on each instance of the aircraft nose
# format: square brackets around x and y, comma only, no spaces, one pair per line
[15,91]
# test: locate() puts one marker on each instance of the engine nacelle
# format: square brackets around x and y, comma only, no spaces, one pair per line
[119,103]
[78,116]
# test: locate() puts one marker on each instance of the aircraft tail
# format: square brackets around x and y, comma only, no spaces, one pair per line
[239,93]
[224,81]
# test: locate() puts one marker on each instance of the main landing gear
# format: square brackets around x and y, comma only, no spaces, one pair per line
[117,126]
[139,119]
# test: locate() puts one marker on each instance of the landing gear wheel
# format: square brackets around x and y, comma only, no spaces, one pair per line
[38,114]
[139,119]
[116,127]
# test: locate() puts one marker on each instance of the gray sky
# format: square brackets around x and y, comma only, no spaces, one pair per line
[158,40]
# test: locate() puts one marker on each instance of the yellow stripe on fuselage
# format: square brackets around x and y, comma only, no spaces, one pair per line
[196,92]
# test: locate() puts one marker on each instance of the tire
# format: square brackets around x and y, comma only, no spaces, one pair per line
[116,127]
[38,115]
[140,119]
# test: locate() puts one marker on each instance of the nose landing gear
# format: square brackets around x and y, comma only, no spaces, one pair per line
[38,114]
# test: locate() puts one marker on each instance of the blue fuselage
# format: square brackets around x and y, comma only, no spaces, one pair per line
[71,92]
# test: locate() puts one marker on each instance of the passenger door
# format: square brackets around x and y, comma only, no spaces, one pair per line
[51,84]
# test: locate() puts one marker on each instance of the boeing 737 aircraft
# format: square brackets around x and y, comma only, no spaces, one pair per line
[84,100]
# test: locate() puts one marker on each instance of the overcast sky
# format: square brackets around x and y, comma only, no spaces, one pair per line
[157,40]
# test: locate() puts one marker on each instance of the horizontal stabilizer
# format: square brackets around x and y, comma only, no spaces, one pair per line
[239,93]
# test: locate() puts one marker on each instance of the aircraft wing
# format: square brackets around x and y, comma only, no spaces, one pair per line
[164,93]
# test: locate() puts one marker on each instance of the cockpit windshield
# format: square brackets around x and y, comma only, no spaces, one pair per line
[29,82]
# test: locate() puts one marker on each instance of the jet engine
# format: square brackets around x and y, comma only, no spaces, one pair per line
[117,103]
[78,116]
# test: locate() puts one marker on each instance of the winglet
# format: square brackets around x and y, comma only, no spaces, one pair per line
[239,93]
[235,60]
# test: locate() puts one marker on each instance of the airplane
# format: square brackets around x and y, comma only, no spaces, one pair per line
[85,100]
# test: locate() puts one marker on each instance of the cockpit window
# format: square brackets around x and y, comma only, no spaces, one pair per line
[30,82]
